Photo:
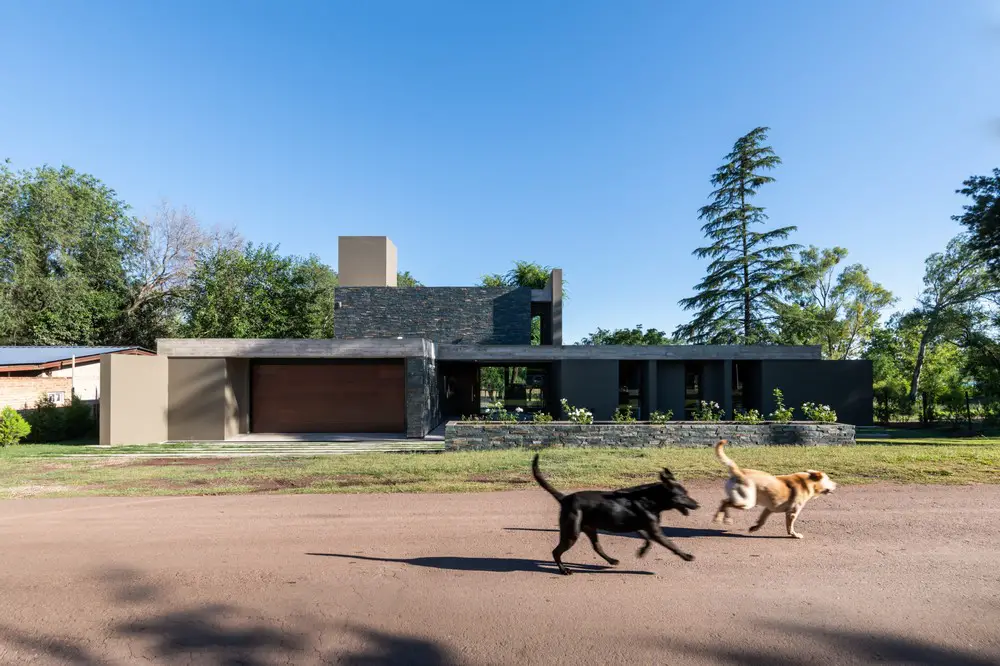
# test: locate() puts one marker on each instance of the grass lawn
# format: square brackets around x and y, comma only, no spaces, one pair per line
[32,471]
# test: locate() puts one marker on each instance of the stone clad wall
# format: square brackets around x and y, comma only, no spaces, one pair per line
[456,315]
[460,435]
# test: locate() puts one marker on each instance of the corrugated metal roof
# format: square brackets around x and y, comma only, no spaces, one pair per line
[39,355]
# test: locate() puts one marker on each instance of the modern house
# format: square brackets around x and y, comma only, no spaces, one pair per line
[404,360]
[59,373]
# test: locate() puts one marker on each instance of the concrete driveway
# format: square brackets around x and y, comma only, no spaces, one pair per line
[888,574]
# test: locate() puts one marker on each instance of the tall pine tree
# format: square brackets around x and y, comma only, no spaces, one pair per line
[749,269]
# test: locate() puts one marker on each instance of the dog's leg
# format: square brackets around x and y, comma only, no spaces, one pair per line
[765,514]
[569,532]
[722,516]
[655,532]
[592,534]
[645,546]
[790,517]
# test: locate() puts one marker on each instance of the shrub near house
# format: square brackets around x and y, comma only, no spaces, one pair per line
[13,427]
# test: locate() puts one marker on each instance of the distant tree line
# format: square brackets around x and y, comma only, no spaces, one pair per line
[78,268]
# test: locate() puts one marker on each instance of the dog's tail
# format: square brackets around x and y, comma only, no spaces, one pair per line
[734,469]
[542,482]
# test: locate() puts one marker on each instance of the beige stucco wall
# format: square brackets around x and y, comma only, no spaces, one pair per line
[366,261]
[197,403]
[133,399]
[86,380]
[237,397]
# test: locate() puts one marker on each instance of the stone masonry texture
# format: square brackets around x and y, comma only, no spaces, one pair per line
[454,315]
[461,435]
[422,409]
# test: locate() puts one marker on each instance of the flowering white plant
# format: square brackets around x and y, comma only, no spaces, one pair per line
[708,410]
[498,412]
[822,413]
[577,414]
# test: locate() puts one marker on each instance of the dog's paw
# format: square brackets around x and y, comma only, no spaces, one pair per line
[566,572]
[641,553]
[728,521]
[795,535]
[718,518]
[613,562]
[753,528]
[687,557]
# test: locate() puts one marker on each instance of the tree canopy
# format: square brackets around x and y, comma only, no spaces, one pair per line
[629,336]
[750,268]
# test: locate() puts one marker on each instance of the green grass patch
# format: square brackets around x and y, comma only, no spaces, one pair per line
[29,472]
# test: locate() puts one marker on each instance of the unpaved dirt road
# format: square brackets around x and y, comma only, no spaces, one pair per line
[890,574]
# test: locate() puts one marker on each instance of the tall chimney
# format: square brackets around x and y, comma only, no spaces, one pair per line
[366,261]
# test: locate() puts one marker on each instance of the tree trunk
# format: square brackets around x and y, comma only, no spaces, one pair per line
[746,270]
[919,364]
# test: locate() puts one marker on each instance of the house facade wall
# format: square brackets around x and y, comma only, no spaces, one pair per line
[456,315]
[24,392]
[86,380]
[844,385]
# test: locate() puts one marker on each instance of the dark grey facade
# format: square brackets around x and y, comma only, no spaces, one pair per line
[462,348]
[455,315]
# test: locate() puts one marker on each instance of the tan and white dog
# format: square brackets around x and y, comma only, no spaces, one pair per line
[788,493]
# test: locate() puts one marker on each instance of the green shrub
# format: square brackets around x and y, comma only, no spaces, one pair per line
[13,427]
[623,414]
[497,411]
[79,420]
[541,417]
[820,413]
[751,416]
[660,418]
[781,414]
[708,411]
[47,421]
[577,414]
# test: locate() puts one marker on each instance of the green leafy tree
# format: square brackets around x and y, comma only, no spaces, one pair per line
[956,283]
[524,274]
[258,293]
[982,216]
[749,267]
[838,311]
[65,239]
[629,336]
[404,279]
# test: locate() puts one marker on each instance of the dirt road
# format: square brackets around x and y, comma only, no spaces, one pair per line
[892,574]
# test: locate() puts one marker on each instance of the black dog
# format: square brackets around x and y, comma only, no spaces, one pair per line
[620,511]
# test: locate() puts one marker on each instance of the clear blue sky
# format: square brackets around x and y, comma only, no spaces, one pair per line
[580,135]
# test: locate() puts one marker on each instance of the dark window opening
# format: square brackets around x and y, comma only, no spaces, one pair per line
[513,386]
[692,389]
[630,386]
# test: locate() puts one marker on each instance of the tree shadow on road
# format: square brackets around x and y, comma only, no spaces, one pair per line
[213,634]
[384,649]
[485,564]
[828,645]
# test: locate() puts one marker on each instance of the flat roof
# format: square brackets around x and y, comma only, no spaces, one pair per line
[411,347]
[33,356]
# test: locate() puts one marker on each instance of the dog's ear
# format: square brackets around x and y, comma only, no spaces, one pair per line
[814,475]
[666,475]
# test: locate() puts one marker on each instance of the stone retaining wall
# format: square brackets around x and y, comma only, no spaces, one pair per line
[462,435]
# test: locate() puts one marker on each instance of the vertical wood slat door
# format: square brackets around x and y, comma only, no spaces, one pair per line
[341,396]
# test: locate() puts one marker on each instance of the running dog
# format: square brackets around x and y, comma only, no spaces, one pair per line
[619,511]
[746,488]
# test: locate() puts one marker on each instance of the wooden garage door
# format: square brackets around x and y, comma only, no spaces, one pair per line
[340,396]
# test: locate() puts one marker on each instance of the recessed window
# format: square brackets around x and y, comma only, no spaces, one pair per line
[57,397]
